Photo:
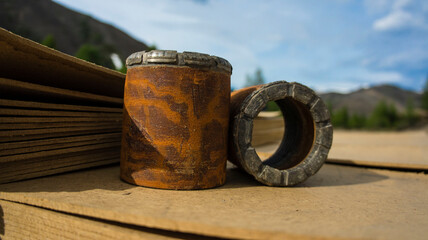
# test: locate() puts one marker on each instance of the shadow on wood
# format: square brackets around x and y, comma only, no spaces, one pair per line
[329,175]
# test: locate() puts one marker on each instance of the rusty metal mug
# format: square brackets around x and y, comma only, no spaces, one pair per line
[176,118]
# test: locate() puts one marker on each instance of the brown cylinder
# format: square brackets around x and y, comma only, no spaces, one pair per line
[307,136]
[176,116]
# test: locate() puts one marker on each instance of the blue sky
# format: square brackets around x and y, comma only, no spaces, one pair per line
[336,45]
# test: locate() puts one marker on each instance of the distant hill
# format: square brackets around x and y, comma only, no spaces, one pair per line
[363,101]
[37,19]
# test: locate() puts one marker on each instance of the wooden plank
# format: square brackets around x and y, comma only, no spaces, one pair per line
[28,61]
[267,123]
[21,221]
[53,113]
[42,105]
[410,166]
[9,166]
[267,136]
[397,150]
[10,87]
[62,140]
[402,150]
[337,202]
[55,135]
[52,171]
[13,133]
[22,150]
[24,167]
[22,126]
[57,119]
[267,130]
[56,152]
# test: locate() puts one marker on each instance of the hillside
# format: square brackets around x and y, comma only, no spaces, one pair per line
[363,101]
[37,19]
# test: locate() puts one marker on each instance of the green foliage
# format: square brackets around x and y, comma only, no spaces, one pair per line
[271,106]
[425,96]
[340,118]
[256,79]
[94,49]
[89,53]
[49,41]
[123,69]
[410,118]
[152,47]
[329,107]
[95,55]
[357,121]
[384,117]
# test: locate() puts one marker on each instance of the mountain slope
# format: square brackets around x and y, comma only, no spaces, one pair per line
[37,19]
[363,101]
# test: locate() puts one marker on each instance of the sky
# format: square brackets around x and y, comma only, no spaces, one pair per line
[331,45]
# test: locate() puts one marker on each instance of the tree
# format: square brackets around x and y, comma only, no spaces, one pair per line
[123,69]
[410,115]
[257,79]
[49,41]
[151,47]
[425,96]
[271,106]
[357,121]
[95,55]
[392,115]
[384,116]
[329,107]
[340,118]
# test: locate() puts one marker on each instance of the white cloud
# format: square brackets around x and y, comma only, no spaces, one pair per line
[397,19]
[399,16]
[411,57]
[339,87]
[345,82]
[303,41]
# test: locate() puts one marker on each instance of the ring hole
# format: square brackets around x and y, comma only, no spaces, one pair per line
[268,130]
[298,135]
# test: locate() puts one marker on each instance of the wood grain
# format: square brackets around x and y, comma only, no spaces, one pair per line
[28,61]
[54,146]
[13,87]
[22,126]
[43,105]
[63,140]
[31,119]
[57,152]
[55,134]
[338,202]
[21,221]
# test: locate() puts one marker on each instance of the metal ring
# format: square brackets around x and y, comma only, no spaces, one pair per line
[307,137]
[171,57]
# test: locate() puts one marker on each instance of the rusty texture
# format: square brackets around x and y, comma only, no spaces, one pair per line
[175,124]
[307,136]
